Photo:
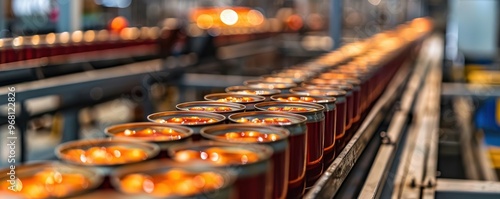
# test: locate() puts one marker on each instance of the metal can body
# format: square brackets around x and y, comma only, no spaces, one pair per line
[297,141]
[274,137]
[315,133]
[254,179]
[330,119]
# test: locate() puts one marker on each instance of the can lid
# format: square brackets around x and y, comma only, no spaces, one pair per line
[294,118]
[304,98]
[292,107]
[321,92]
[234,97]
[161,117]
[234,107]
[219,133]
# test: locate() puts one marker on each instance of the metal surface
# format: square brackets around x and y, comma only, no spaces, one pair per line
[426,120]
[463,112]
[80,89]
[458,189]
[474,153]
[332,178]
[376,178]
[335,22]
[474,90]
[246,49]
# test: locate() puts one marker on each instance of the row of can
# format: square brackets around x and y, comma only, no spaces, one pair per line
[270,138]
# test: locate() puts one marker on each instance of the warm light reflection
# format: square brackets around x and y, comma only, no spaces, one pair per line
[105,155]
[255,17]
[229,17]
[89,36]
[175,183]
[151,133]
[204,21]
[218,155]
[102,35]
[18,41]
[295,22]
[35,40]
[50,38]
[236,99]
[290,109]
[250,136]
[191,120]
[77,36]
[47,183]
[118,24]
[267,120]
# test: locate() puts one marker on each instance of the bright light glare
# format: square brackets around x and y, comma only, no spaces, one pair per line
[229,17]
[374,2]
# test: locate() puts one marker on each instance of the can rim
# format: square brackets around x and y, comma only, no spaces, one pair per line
[209,131]
[158,115]
[112,130]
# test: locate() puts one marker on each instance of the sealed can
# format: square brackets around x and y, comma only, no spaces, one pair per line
[296,125]
[276,138]
[330,119]
[341,105]
[250,162]
[315,132]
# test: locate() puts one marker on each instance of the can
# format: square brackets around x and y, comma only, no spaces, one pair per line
[315,132]
[248,100]
[296,125]
[274,137]
[192,119]
[250,162]
[330,119]
[341,105]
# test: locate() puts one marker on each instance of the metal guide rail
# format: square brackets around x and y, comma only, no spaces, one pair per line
[391,139]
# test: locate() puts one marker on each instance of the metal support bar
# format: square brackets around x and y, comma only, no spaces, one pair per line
[71,125]
[473,90]
[421,169]
[335,26]
[70,15]
[458,189]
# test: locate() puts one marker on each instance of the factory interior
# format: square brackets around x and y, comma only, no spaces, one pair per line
[250,99]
